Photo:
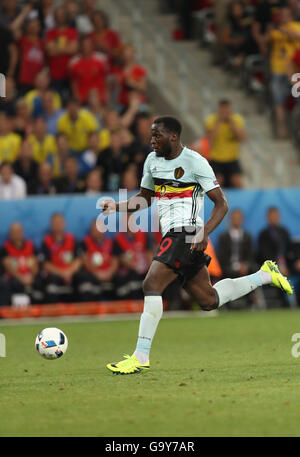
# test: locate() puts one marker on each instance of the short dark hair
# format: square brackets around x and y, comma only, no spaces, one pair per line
[170,123]
[224,101]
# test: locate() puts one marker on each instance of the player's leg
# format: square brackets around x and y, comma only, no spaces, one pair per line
[210,297]
[201,290]
[157,279]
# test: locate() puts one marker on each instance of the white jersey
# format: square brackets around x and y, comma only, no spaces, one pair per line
[179,185]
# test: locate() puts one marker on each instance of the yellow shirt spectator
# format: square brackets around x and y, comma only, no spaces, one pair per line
[77,131]
[32,94]
[283,47]
[225,147]
[104,139]
[9,147]
[42,149]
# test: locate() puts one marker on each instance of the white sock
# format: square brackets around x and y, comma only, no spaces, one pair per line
[231,289]
[153,310]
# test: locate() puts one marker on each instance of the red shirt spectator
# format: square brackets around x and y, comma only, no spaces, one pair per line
[134,248]
[89,71]
[104,39]
[131,77]
[31,52]
[61,45]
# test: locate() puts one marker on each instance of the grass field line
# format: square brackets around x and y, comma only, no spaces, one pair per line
[104,318]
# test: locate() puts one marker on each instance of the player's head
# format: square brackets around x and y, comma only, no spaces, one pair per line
[165,135]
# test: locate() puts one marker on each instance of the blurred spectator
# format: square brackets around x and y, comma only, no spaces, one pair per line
[43,144]
[10,142]
[266,13]
[23,121]
[235,249]
[32,58]
[34,97]
[226,131]
[12,187]
[88,160]
[70,181]
[58,160]
[142,131]
[44,184]
[8,104]
[284,40]
[131,76]
[202,146]
[25,166]
[77,123]
[89,71]
[84,21]
[134,252]
[59,254]
[94,182]
[130,179]
[105,39]
[61,45]
[51,114]
[113,162]
[18,256]
[112,120]
[100,265]
[8,52]
[96,107]
[274,242]
[46,14]
[13,15]
[72,9]
[236,35]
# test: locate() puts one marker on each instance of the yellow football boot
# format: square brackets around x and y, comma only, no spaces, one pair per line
[278,280]
[130,365]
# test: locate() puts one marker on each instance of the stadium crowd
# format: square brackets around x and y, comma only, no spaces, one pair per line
[263,38]
[75,117]
[258,42]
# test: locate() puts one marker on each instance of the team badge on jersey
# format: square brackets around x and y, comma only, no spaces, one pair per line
[163,190]
[178,173]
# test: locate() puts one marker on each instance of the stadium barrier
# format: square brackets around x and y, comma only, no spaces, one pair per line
[73,309]
[79,211]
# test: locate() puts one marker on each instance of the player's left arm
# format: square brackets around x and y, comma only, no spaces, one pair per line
[219,211]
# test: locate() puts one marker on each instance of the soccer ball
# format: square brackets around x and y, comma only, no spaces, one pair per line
[51,343]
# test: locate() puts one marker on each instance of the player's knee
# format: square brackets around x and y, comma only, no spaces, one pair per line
[150,284]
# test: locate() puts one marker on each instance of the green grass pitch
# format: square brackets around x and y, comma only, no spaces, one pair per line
[232,375]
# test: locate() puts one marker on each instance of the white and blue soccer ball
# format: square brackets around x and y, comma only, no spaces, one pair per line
[51,343]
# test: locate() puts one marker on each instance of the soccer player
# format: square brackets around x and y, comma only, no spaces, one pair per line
[178,177]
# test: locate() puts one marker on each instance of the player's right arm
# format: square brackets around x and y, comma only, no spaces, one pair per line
[139,201]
